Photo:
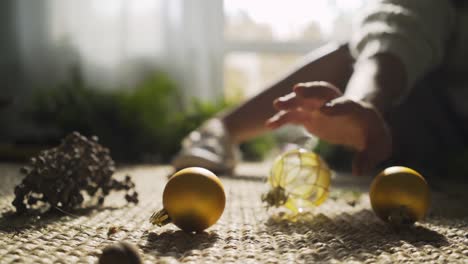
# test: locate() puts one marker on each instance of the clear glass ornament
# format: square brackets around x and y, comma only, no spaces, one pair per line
[299,180]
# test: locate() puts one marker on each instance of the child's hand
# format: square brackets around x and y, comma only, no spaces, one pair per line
[324,112]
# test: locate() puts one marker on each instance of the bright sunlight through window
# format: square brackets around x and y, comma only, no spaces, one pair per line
[264,38]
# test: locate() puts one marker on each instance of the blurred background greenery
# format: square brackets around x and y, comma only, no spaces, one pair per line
[142,74]
[143,124]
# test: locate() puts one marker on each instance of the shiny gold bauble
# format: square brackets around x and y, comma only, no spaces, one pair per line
[193,200]
[400,195]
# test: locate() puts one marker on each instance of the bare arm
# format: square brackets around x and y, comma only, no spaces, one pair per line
[330,63]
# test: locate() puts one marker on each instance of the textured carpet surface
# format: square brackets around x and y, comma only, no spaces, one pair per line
[343,229]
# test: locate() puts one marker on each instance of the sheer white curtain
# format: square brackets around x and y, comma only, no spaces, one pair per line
[194,45]
[117,41]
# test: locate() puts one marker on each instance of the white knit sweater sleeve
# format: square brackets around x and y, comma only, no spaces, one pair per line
[416,31]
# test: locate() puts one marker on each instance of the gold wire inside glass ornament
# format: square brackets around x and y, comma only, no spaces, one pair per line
[299,180]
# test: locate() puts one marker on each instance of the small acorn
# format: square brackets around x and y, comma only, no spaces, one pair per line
[120,253]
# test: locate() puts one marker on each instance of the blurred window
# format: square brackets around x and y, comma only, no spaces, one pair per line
[240,45]
[263,39]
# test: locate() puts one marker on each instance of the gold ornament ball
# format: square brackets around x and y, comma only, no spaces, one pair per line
[194,199]
[400,195]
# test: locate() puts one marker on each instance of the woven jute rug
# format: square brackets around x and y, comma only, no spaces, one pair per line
[343,229]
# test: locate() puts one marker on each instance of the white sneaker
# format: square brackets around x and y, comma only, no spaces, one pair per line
[209,147]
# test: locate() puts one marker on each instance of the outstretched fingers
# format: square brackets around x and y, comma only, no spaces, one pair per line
[287,102]
[309,96]
[341,106]
[287,117]
[323,91]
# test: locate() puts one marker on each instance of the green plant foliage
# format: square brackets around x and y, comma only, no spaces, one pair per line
[257,148]
[149,116]
[145,123]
